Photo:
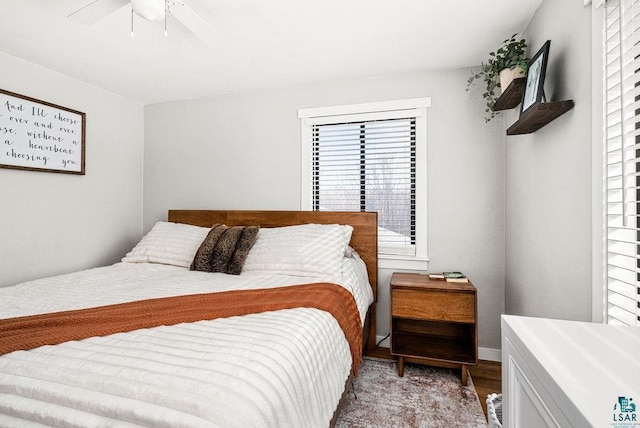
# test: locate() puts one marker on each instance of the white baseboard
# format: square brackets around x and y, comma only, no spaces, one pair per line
[488,354]
[386,343]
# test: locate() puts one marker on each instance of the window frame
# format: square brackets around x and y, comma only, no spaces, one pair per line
[598,156]
[366,112]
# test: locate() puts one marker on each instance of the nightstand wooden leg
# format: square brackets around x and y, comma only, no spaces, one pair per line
[401,366]
[464,375]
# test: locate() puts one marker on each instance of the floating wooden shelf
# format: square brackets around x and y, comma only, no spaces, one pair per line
[511,96]
[539,115]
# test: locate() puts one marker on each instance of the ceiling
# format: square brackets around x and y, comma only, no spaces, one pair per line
[262,44]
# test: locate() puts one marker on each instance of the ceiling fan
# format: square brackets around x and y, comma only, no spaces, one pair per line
[151,10]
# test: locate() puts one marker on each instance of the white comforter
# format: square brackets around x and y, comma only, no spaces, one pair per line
[276,369]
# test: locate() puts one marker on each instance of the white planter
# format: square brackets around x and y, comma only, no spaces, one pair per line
[508,74]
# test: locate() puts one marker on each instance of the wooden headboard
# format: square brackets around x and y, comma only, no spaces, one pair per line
[364,238]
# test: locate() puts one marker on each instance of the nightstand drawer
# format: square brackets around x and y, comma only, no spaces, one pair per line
[433,305]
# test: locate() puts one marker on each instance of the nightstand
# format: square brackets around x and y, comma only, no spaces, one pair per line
[433,322]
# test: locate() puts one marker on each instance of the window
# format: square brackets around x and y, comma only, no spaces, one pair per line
[622,157]
[369,166]
[370,157]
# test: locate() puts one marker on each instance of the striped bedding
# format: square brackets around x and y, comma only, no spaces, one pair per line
[274,369]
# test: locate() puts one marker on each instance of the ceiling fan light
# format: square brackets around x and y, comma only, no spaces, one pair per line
[153,10]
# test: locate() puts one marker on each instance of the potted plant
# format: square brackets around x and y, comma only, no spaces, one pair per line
[505,64]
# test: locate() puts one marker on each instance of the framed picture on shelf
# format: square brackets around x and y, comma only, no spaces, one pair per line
[534,82]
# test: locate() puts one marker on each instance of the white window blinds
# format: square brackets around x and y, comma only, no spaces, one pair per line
[622,181]
[369,166]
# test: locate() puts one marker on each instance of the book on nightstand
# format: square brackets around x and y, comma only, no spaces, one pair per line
[455,277]
[437,276]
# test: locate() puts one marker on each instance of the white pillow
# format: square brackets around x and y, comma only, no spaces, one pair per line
[168,243]
[314,250]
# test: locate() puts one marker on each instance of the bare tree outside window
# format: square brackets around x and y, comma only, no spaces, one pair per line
[369,166]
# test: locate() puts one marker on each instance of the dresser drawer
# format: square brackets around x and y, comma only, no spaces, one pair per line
[433,305]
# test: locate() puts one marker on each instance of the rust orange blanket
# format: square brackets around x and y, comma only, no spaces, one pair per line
[49,329]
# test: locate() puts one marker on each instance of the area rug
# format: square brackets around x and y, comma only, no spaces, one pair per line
[426,397]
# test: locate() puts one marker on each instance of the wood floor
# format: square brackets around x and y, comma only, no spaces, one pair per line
[486,376]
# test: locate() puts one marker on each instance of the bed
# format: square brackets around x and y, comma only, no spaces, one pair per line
[276,345]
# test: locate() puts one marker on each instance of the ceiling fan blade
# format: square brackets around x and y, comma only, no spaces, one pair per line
[196,24]
[96,10]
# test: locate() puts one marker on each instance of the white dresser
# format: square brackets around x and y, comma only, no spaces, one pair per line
[569,374]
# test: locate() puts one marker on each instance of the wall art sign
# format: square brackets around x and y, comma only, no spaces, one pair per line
[40,136]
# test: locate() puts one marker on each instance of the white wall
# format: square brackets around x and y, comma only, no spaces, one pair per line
[548,178]
[243,152]
[53,223]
